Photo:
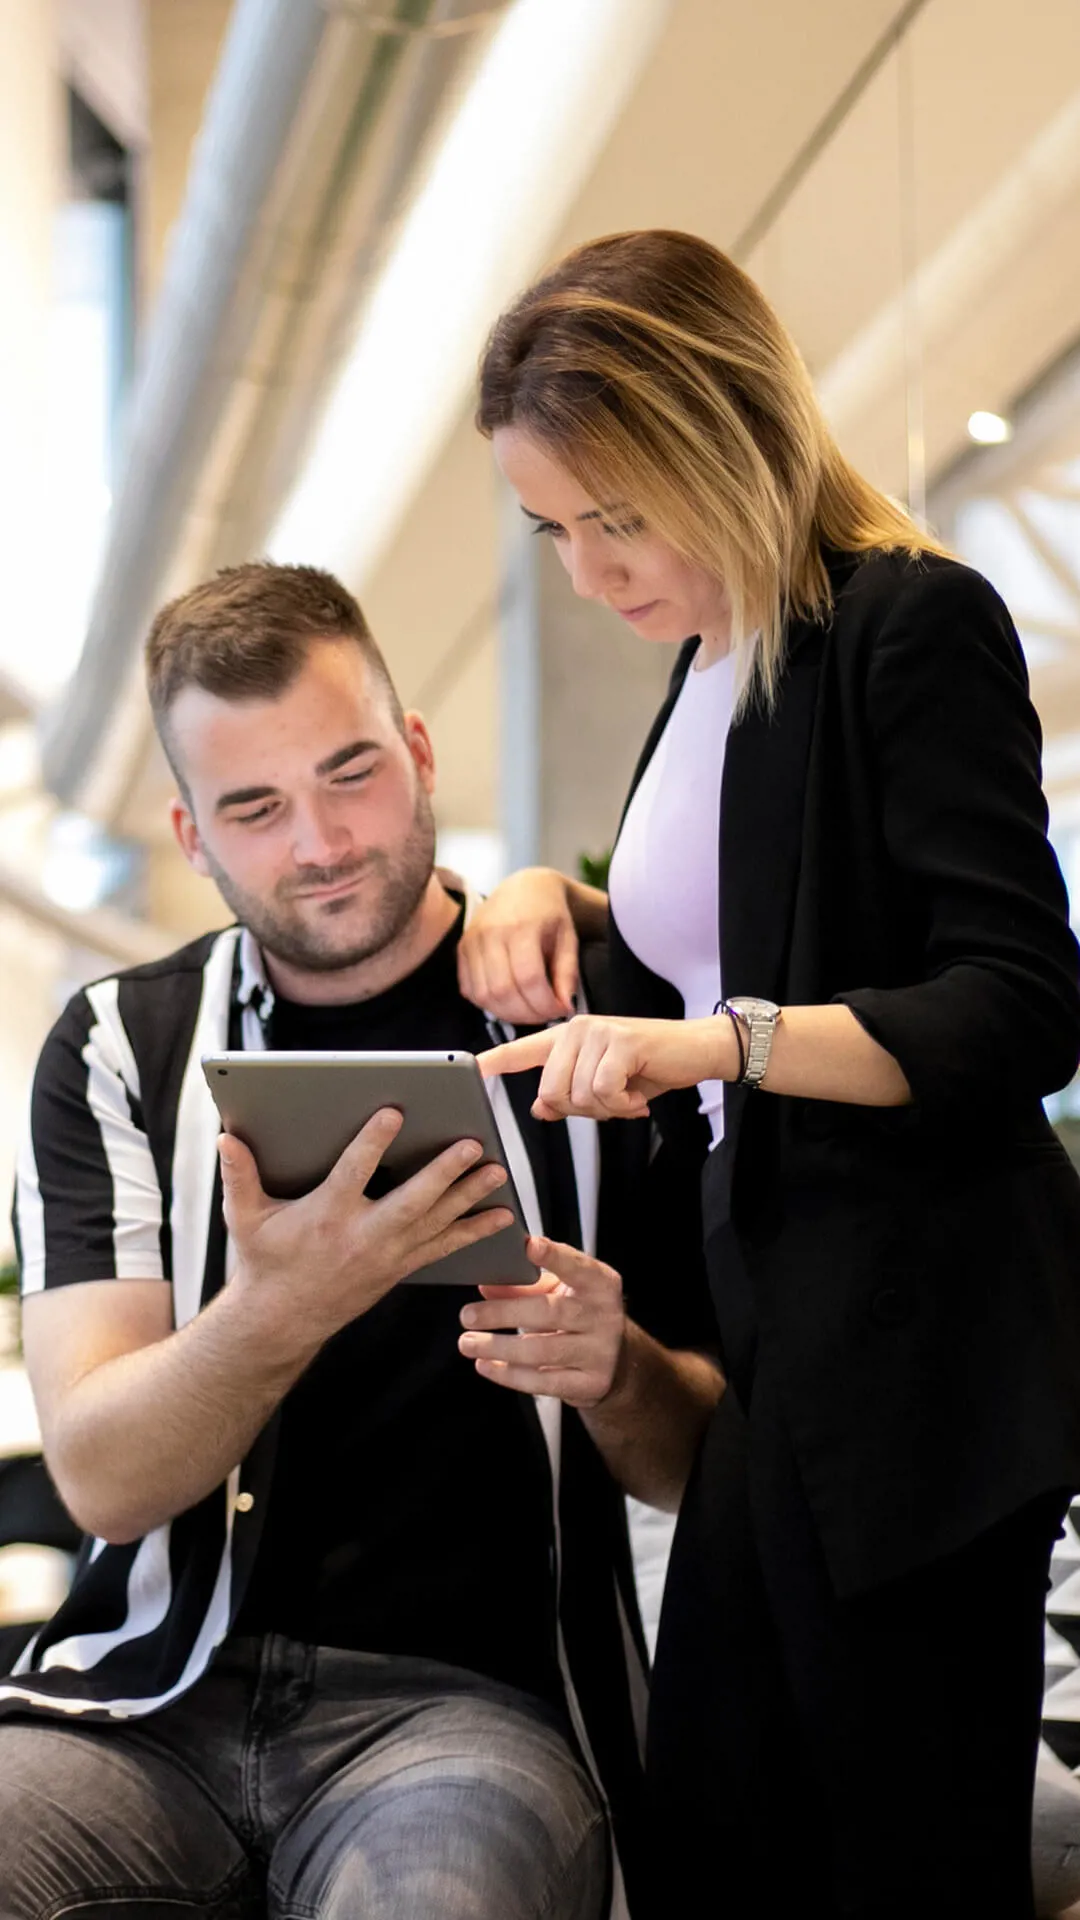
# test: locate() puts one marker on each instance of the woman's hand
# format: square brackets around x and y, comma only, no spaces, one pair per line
[609,1069]
[518,956]
[564,1336]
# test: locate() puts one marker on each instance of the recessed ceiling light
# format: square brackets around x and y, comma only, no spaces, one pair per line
[989,429]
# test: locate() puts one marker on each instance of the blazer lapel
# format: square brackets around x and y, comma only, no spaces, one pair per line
[761,815]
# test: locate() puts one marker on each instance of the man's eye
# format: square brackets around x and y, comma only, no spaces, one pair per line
[252,819]
[354,779]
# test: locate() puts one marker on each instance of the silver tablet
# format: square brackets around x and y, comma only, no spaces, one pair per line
[298,1112]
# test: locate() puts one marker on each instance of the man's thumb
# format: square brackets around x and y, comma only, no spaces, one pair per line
[239,1175]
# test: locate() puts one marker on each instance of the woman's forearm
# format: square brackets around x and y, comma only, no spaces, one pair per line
[818,1053]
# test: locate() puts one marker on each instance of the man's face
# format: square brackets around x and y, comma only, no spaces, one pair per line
[310,811]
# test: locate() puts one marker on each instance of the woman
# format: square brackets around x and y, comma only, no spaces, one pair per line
[835,914]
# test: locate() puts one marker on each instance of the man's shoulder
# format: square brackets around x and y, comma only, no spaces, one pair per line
[181,963]
[151,995]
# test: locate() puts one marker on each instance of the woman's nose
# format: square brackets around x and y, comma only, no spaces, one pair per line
[593,572]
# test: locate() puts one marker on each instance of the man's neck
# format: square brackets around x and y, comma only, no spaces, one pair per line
[429,925]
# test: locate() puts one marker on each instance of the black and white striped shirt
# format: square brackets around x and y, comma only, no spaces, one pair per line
[118,1178]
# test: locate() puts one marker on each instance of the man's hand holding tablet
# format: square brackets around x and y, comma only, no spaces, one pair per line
[330,1255]
[299,1112]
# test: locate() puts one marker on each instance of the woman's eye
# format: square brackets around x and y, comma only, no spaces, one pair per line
[551,527]
[624,529]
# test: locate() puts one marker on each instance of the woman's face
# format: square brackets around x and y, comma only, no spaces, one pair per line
[609,554]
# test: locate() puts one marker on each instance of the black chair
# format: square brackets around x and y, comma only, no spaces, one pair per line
[31,1515]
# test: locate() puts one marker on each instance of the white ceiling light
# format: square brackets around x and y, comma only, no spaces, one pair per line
[525,137]
[989,429]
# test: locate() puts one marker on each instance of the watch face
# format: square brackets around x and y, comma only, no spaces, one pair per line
[760,1009]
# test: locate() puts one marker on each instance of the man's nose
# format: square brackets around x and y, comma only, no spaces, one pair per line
[318,839]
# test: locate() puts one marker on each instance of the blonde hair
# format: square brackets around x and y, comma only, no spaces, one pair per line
[655,372]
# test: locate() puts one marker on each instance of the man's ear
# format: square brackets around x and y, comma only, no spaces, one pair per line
[418,741]
[188,837]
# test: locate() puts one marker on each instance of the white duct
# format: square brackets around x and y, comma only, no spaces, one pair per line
[313,125]
[525,138]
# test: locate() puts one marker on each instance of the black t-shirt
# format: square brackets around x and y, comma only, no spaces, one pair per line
[410,1509]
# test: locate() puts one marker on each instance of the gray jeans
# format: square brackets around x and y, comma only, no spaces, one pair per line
[295,1780]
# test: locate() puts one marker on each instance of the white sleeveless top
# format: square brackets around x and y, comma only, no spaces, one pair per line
[664,883]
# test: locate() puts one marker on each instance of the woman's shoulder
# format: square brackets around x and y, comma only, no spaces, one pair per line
[884,582]
[921,621]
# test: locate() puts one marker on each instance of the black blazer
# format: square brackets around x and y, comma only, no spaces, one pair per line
[916,1271]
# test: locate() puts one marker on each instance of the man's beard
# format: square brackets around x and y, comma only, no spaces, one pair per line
[403,878]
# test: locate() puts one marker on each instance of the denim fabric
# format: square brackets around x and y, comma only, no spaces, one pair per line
[295,1780]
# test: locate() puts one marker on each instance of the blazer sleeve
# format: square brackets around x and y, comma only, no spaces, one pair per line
[957,751]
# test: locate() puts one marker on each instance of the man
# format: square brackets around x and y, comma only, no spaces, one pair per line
[345,1639]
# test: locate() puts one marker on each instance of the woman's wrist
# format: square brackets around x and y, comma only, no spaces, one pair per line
[722,1049]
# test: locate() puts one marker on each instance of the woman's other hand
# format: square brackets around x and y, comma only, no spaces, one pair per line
[518,956]
[609,1069]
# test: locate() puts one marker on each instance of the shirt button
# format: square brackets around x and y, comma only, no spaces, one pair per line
[245,1502]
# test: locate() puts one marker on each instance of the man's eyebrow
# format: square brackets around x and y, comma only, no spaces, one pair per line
[344,754]
[594,513]
[243,796]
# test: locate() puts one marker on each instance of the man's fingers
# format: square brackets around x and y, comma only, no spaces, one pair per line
[522,1349]
[545,1313]
[559,1383]
[362,1155]
[445,1188]
[242,1189]
[576,1269]
[544,1283]
[463,1233]
[516,1056]
[456,1201]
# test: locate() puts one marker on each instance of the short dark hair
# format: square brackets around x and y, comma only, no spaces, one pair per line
[245,635]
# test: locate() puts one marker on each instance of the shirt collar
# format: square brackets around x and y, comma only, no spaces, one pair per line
[253,989]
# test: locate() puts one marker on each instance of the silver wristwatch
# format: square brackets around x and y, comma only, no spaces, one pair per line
[758,1019]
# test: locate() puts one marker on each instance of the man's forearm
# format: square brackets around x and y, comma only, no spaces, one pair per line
[649,1424]
[148,1434]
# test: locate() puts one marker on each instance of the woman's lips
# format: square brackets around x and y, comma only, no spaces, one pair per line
[637,613]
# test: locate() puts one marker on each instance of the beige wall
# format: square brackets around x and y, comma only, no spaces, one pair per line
[183,40]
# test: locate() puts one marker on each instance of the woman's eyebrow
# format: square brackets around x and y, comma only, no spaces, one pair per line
[594,513]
